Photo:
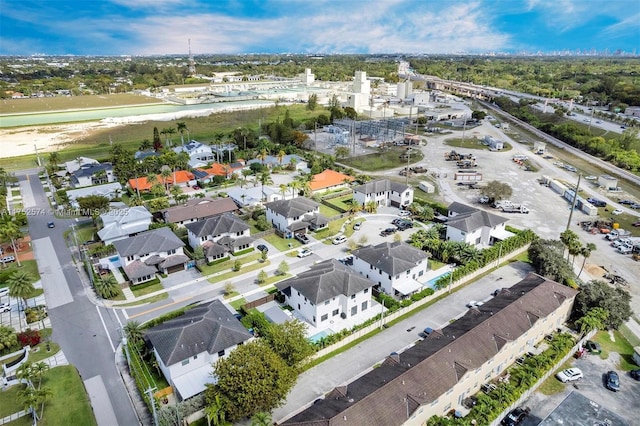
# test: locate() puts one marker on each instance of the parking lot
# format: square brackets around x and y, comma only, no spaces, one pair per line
[620,408]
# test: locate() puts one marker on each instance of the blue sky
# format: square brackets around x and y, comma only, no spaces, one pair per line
[150,27]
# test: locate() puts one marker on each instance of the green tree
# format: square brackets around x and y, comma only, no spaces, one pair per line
[283,268]
[20,284]
[8,338]
[157,143]
[570,239]
[93,205]
[594,319]
[228,289]
[289,341]
[198,253]
[253,378]
[9,232]
[586,251]
[497,190]
[342,152]
[214,409]
[312,104]
[262,277]
[599,294]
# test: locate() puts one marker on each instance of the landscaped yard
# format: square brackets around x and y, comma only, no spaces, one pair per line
[142,289]
[327,211]
[228,264]
[331,230]
[620,345]
[245,268]
[69,403]
[343,202]
[9,402]
[29,266]
[281,243]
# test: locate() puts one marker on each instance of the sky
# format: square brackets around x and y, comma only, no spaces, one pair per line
[155,27]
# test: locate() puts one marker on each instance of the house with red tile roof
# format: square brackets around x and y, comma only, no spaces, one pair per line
[329,179]
[180,178]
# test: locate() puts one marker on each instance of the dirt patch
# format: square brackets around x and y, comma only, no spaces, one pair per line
[594,270]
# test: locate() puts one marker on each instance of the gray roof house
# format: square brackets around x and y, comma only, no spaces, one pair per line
[327,292]
[198,209]
[219,235]
[295,215]
[436,374]
[397,266]
[476,227]
[92,174]
[186,346]
[158,250]
[384,192]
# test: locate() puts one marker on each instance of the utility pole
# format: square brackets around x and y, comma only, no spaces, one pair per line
[406,175]
[37,155]
[573,203]
[149,393]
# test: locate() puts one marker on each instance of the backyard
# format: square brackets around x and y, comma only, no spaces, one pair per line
[387,158]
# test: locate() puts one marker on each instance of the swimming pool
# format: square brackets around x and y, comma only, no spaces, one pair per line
[432,282]
[316,337]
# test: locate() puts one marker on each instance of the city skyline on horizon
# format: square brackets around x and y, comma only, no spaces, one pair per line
[162,27]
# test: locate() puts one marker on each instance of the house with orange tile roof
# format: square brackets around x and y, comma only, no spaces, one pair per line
[180,178]
[205,175]
[329,179]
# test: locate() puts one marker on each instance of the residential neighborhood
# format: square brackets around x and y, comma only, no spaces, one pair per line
[322,269]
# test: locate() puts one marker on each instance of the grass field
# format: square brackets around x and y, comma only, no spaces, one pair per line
[382,160]
[204,129]
[62,103]
[69,403]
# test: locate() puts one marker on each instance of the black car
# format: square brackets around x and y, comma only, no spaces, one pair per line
[593,347]
[262,247]
[51,225]
[515,417]
[612,381]
[596,202]
[388,231]
[629,202]
[635,374]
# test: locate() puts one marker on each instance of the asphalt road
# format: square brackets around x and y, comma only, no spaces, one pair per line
[80,327]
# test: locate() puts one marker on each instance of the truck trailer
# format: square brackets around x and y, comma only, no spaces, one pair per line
[515,208]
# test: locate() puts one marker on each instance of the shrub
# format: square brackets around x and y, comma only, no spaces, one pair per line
[29,337]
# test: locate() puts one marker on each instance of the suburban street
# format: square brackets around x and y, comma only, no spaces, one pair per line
[83,330]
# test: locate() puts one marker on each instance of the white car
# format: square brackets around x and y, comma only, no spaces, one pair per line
[404,213]
[569,375]
[5,307]
[305,253]
[617,212]
[339,239]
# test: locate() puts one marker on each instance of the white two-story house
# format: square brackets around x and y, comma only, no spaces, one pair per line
[294,216]
[219,235]
[384,193]
[92,174]
[186,347]
[328,293]
[396,267]
[150,252]
[476,227]
[119,224]
[199,154]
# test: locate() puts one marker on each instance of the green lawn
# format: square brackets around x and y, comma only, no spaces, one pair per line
[331,230]
[9,402]
[620,345]
[146,290]
[552,385]
[327,211]
[42,353]
[383,160]
[343,202]
[236,304]
[281,243]
[69,403]
[231,274]
[29,266]
[228,264]
[152,299]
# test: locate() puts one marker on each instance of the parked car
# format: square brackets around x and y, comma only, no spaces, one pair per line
[339,239]
[4,291]
[612,381]
[427,331]
[302,238]
[617,212]
[596,202]
[388,231]
[262,247]
[570,375]
[51,225]
[635,374]
[5,307]
[474,304]
[7,259]
[404,225]
[305,253]
[635,206]
[636,224]
[627,202]
[484,200]
[346,260]
[625,249]
[404,213]
[357,226]
[515,416]
[593,347]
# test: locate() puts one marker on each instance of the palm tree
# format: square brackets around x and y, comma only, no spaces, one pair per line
[182,127]
[165,174]
[20,285]
[281,155]
[283,189]
[133,332]
[170,131]
[371,207]
[261,419]
[585,251]
[145,145]
[265,179]
[107,287]
[9,231]
[568,238]
[295,187]
[263,155]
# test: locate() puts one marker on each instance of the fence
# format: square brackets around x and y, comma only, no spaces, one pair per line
[536,385]
[402,311]
[265,299]
[263,233]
